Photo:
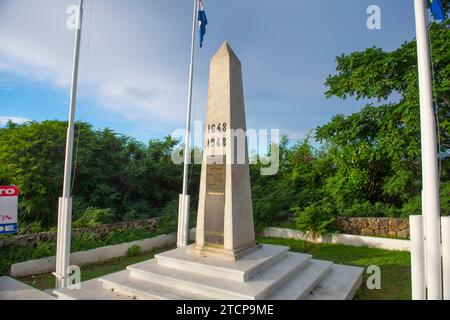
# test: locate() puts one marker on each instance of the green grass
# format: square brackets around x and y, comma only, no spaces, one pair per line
[394,265]
[15,253]
[91,271]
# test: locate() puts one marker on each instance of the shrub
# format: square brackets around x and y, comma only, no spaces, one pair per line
[128,235]
[85,241]
[361,208]
[92,217]
[133,251]
[445,198]
[317,219]
[169,221]
[33,227]
[43,249]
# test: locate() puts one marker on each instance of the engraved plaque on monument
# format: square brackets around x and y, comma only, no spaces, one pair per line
[215,203]
[225,216]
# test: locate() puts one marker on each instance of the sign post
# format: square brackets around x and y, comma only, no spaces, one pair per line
[9,199]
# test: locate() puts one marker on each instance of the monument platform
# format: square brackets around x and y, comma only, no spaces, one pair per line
[11,289]
[271,273]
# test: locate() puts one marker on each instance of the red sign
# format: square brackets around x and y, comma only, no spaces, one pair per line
[9,192]
[9,197]
[5,218]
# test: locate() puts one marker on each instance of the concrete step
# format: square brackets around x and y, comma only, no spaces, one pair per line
[303,282]
[137,289]
[11,289]
[341,283]
[256,288]
[241,270]
[90,290]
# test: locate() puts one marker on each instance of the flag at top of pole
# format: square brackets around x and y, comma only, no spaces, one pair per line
[203,22]
[437,9]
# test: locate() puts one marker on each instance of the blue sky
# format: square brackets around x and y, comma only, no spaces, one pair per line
[135,56]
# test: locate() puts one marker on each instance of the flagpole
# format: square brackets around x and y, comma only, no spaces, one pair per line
[184,201]
[430,176]
[65,202]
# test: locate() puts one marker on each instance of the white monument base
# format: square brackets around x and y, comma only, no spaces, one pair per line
[270,273]
[11,289]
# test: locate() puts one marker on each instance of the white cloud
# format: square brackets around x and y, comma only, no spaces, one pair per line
[127,67]
[135,55]
[17,120]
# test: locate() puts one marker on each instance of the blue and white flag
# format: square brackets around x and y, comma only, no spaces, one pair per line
[437,9]
[203,22]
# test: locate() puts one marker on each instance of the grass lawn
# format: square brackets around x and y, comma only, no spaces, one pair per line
[394,265]
[91,271]
[86,241]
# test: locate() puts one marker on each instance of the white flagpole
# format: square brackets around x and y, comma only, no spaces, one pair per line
[65,202]
[430,177]
[184,201]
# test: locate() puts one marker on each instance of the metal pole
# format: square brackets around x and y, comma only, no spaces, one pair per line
[65,202]
[430,180]
[183,210]
[445,224]
[417,258]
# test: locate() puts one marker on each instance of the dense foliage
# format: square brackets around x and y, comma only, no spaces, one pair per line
[115,177]
[364,164]
[368,163]
[377,150]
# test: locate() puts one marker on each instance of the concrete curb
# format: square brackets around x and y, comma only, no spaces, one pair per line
[46,265]
[345,239]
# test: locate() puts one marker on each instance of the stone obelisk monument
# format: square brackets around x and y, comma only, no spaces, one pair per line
[225,262]
[225,215]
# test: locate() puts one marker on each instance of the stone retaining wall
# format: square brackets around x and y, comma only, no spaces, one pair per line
[379,227]
[100,232]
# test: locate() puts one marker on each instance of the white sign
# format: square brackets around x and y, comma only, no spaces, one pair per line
[9,199]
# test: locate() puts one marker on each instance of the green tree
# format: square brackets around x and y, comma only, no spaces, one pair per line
[369,163]
[32,157]
[115,178]
[376,152]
